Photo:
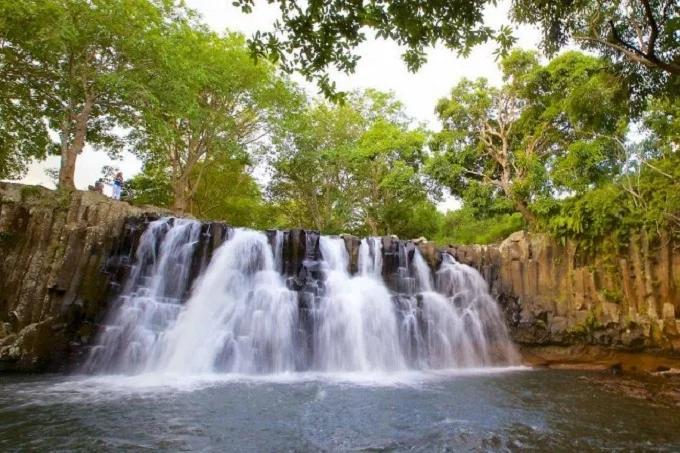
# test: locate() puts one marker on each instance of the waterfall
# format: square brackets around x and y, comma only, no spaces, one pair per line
[240,317]
[278,251]
[265,305]
[357,324]
[476,334]
[370,257]
[150,301]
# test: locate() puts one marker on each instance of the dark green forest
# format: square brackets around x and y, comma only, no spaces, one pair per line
[583,145]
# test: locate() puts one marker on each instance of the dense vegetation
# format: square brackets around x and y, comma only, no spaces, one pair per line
[583,146]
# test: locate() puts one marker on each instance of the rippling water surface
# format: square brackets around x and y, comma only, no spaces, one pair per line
[517,410]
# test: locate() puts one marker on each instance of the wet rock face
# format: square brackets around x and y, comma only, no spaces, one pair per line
[55,270]
[560,295]
[352,243]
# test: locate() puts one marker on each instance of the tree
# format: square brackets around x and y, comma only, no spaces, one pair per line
[313,36]
[644,196]
[76,65]
[150,187]
[230,193]
[352,167]
[310,181]
[642,35]
[207,101]
[547,131]
[386,164]
[23,133]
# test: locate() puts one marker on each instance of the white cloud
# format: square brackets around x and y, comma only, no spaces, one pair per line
[380,67]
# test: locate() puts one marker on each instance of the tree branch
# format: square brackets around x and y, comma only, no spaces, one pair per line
[485,177]
[654,28]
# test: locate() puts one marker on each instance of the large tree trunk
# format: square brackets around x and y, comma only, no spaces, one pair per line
[181,201]
[373,224]
[67,170]
[180,204]
[70,152]
[528,215]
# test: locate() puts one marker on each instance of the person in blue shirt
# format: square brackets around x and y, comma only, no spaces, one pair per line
[117,186]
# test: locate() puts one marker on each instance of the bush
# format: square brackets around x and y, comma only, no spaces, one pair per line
[466,226]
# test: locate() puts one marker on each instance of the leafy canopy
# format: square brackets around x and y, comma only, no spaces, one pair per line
[353,167]
[74,67]
[313,36]
[208,102]
[641,36]
[548,130]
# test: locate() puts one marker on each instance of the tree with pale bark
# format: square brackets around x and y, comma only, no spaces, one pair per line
[77,67]
[549,130]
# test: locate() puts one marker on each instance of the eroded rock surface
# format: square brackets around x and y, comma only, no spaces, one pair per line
[62,258]
[562,295]
[53,271]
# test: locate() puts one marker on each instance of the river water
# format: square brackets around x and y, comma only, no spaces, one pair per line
[474,410]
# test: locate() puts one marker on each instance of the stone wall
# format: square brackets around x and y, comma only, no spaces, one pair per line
[562,295]
[53,271]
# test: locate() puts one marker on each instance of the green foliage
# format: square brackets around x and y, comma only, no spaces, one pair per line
[354,167]
[75,67]
[643,196]
[549,149]
[615,296]
[469,226]
[311,37]
[590,325]
[228,192]
[151,187]
[641,36]
[209,101]
[548,130]
[29,192]
[590,216]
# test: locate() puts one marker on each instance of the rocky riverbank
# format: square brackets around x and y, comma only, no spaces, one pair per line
[563,295]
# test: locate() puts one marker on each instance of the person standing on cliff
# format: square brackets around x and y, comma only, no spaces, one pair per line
[117,186]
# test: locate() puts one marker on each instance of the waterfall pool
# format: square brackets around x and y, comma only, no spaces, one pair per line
[490,410]
[268,345]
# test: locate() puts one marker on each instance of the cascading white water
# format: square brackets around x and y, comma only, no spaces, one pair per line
[370,257]
[461,323]
[278,251]
[357,325]
[482,338]
[241,316]
[453,324]
[150,300]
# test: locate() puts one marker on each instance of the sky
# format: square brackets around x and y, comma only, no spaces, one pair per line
[380,67]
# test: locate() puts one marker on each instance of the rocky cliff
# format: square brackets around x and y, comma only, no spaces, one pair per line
[562,295]
[53,271]
[62,258]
